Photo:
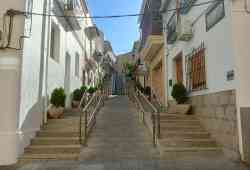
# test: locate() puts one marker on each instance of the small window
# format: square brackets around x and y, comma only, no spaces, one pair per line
[77,65]
[55,42]
[215,13]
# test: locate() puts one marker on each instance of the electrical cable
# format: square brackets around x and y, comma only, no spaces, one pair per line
[114,16]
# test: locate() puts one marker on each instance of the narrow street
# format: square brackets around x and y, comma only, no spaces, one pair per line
[118,134]
[120,142]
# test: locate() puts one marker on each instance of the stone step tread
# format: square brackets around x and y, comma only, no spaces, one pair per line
[32,156]
[186,140]
[180,121]
[176,115]
[185,132]
[188,149]
[56,138]
[181,128]
[52,146]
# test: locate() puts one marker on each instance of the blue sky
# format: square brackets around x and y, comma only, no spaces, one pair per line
[121,32]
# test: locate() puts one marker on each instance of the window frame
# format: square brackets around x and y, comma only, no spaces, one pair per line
[212,9]
[196,73]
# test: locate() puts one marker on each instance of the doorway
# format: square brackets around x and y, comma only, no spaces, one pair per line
[179,68]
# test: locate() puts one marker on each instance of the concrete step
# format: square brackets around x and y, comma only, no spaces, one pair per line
[53,141]
[180,121]
[165,128]
[61,156]
[187,143]
[64,120]
[53,149]
[189,149]
[177,117]
[183,130]
[57,134]
[62,128]
[62,124]
[185,135]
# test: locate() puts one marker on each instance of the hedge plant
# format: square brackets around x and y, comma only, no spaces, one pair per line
[179,93]
[77,94]
[58,97]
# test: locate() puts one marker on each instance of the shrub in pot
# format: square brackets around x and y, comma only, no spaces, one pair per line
[84,89]
[77,96]
[91,90]
[179,93]
[57,101]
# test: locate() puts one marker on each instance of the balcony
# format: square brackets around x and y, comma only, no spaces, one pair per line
[152,46]
[70,9]
[172,29]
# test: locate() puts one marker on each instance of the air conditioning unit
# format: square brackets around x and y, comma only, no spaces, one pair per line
[184,29]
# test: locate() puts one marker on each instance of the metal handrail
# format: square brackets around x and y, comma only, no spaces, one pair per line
[154,114]
[148,102]
[88,116]
[156,99]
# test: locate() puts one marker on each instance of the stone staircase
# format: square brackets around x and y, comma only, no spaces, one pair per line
[57,140]
[180,131]
[184,133]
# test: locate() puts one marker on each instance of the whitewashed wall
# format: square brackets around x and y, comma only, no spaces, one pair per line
[20,104]
[218,44]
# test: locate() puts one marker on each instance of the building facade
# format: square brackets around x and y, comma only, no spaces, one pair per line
[205,50]
[39,51]
[152,49]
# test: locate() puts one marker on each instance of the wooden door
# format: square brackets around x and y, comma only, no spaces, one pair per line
[179,68]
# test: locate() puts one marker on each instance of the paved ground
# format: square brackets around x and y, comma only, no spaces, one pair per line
[120,142]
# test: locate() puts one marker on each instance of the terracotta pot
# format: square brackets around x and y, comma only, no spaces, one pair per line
[55,112]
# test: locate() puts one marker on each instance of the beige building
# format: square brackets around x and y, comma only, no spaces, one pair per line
[152,50]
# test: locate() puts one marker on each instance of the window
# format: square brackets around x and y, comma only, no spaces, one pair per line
[215,13]
[55,42]
[196,69]
[77,65]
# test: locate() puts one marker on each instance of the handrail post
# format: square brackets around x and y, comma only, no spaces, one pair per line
[159,124]
[80,130]
[85,127]
[154,139]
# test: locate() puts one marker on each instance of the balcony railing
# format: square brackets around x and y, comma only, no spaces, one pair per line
[172,29]
[70,9]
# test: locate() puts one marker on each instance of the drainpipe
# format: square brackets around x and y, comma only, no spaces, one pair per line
[42,56]
[47,63]
[246,7]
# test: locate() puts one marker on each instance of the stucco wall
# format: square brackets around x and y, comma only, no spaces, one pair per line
[241,36]
[26,79]
[218,44]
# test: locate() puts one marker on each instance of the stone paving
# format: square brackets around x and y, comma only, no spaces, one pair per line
[120,142]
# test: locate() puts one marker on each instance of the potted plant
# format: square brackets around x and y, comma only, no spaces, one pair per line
[92,90]
[77,96]
[57,101]
[179,93]
[83,89]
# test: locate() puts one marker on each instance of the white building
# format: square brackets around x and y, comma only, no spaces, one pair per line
[207,50]
[38,53]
